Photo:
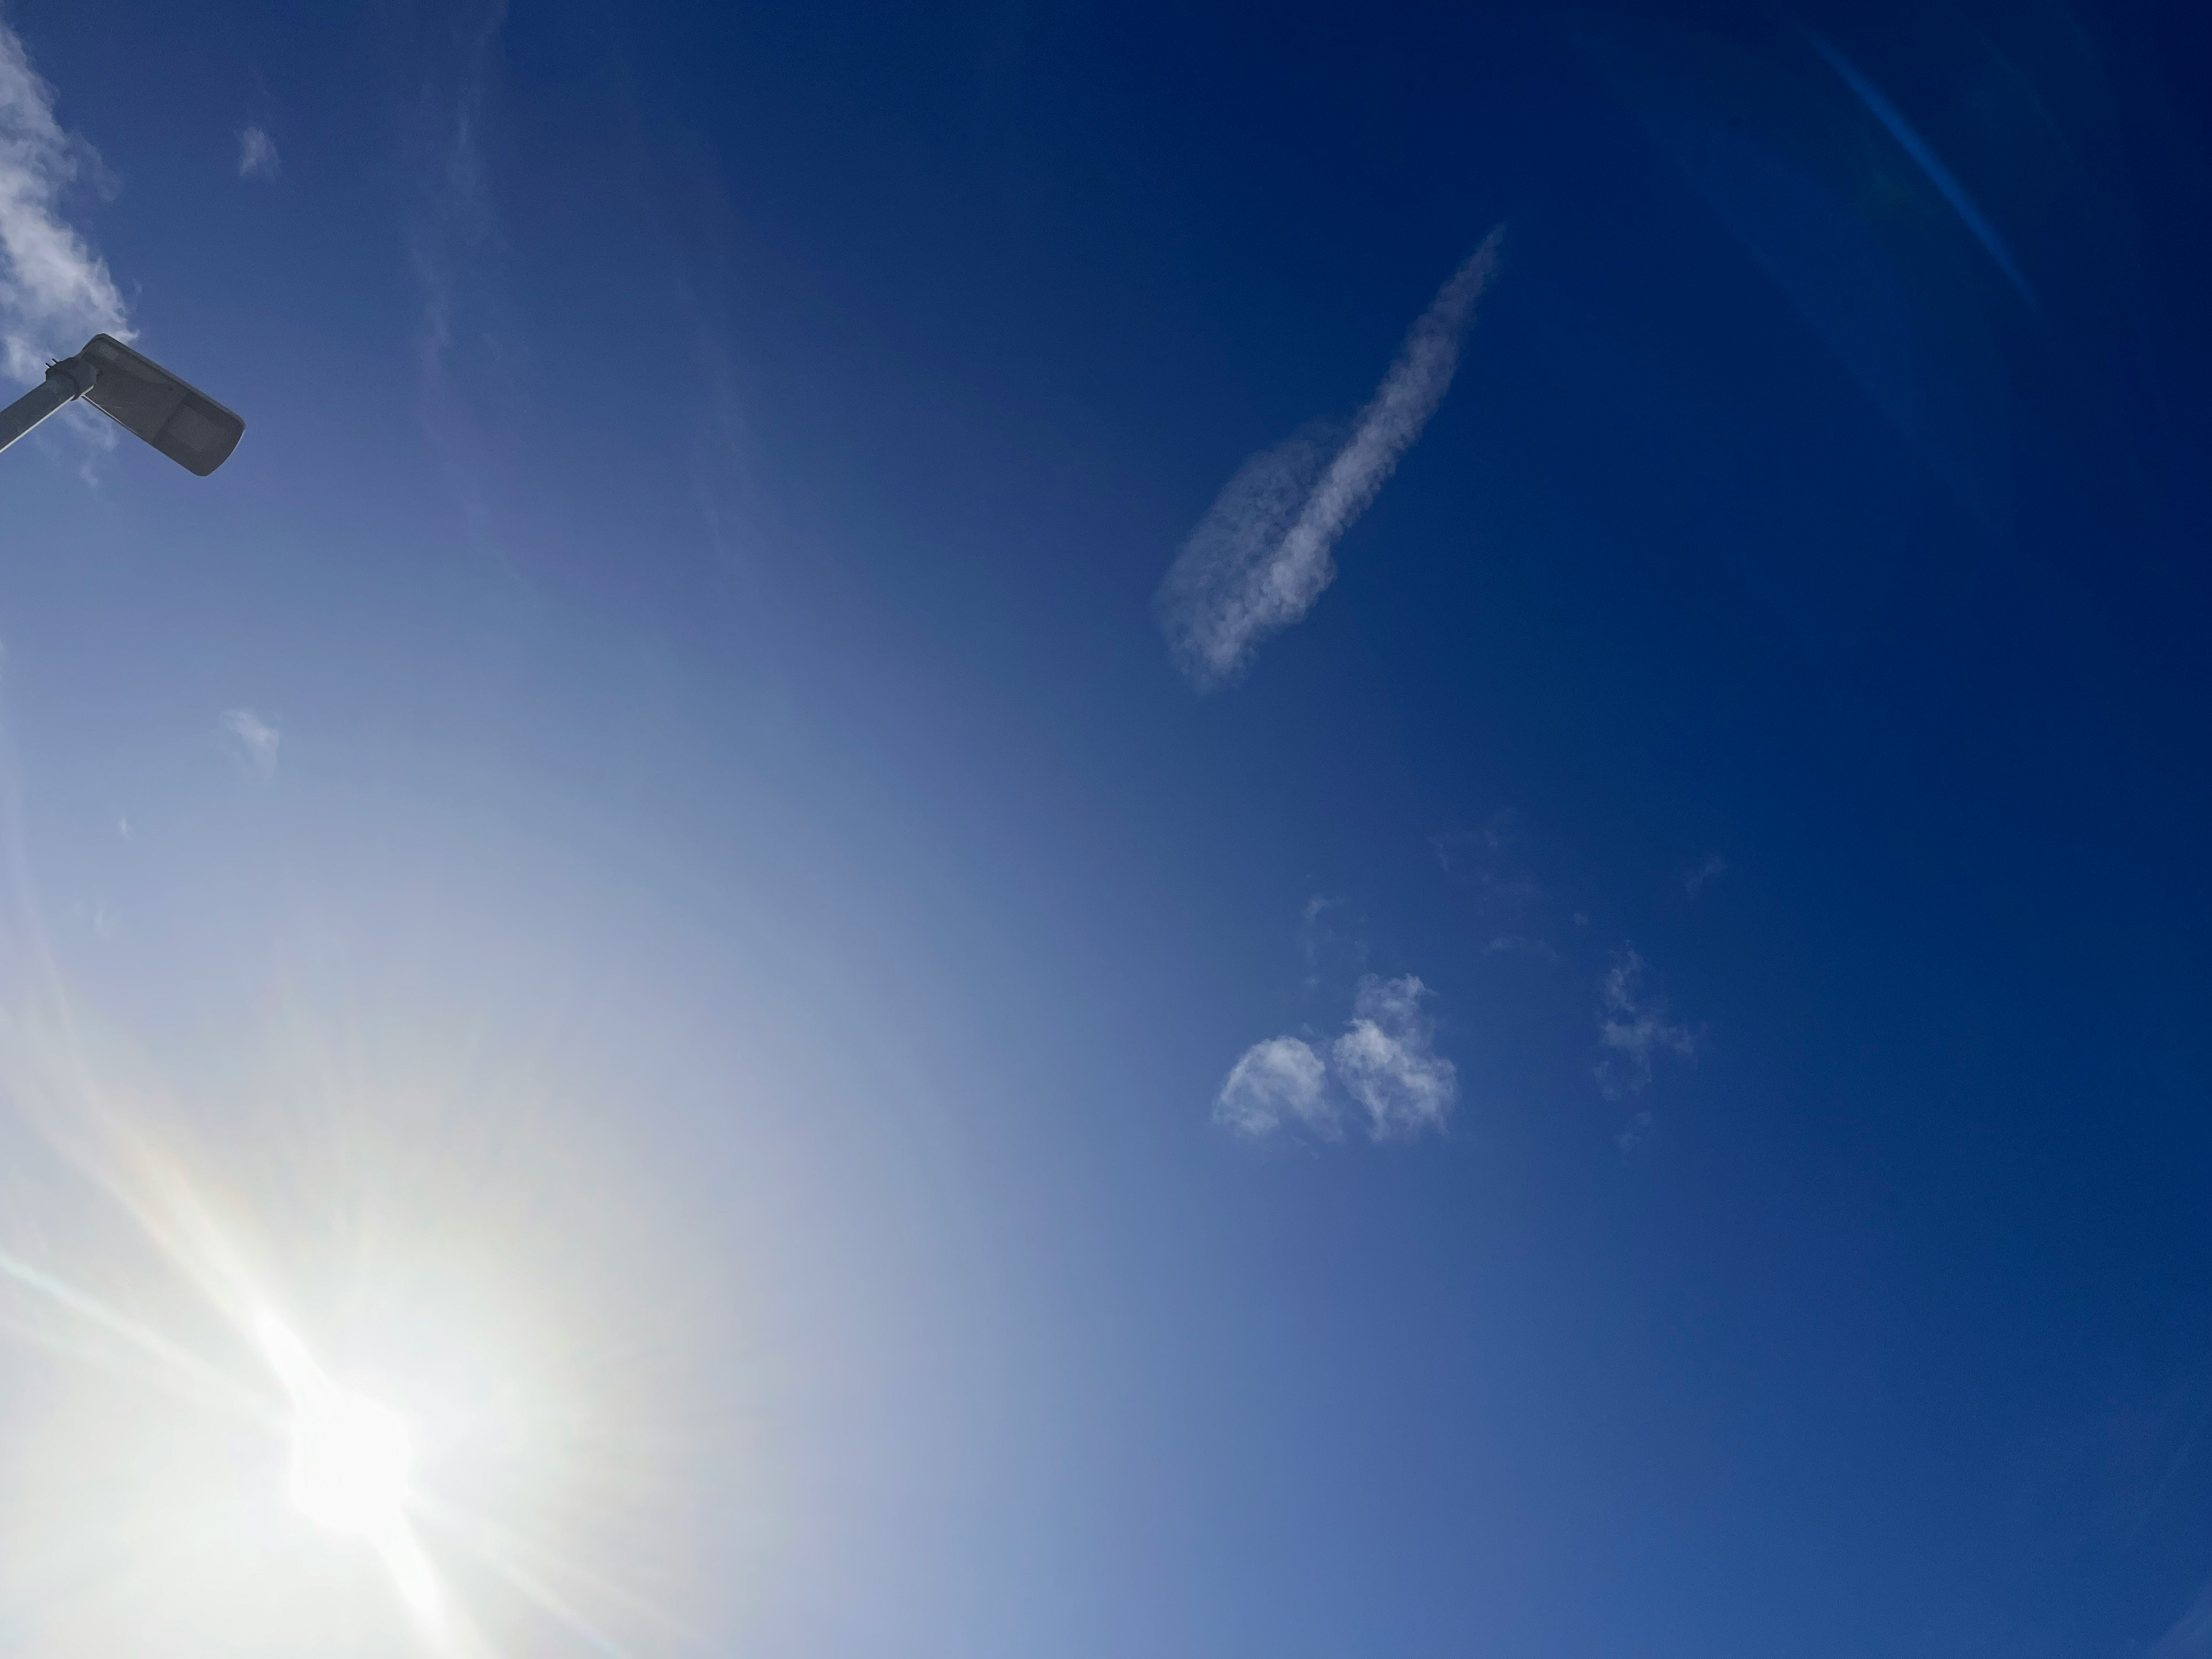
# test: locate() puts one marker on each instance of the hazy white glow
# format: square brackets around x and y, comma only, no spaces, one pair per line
[351,1457]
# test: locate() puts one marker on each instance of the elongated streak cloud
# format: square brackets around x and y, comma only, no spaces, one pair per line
[1264,552]
[54,289]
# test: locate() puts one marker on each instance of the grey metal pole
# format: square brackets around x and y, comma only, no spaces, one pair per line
[66,381]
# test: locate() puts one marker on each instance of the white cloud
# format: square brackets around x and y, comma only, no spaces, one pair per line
[1386,1061]
[256,739]
[1388,1064]
[1633,1028]
[1276,1081]
[1263,553]
[257,153]
[1640,1138]
[55,292]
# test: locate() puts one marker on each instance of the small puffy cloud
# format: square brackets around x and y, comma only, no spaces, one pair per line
[1280,1081]
[253,739]
[1632,1027]
[1640,1138]
[257,153]
[1388,1064]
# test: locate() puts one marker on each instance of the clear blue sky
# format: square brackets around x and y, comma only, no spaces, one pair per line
[973,853]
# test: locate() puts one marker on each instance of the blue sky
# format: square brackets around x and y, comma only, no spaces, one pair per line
[1009,828]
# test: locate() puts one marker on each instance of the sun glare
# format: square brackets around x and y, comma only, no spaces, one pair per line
[351,1457]
[350,1462]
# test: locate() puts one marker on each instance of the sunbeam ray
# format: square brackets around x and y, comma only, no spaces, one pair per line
[169,1356]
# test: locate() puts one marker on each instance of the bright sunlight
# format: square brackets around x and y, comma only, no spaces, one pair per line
[351,1457]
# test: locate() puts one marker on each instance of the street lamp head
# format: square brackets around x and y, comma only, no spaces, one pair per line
[138,394]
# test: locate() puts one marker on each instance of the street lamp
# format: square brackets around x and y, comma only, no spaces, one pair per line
[137,394]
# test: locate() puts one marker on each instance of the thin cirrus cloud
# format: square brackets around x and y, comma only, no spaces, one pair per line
[1385,1064]
[254,740]
[55,291]
[257,153]
[1713,867]
[1640,1137]
[1265,549]
[1633,1030]
[1484,860]
[464,344]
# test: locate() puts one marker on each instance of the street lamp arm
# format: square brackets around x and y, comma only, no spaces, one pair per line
[66,381]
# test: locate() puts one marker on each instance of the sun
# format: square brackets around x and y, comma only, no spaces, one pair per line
[352,1459]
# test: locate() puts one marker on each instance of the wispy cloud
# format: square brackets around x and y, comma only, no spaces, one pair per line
[1506,944]
[1639,1137]
[1331,940]
[55,291]
[1264,552]
[1484,860]
[1388,1063]
[254,740]
[468,342]
[1385,1062]
[1633,1030]
[257,153]
[1710,869]
[2191,1635]
[1280,1081]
